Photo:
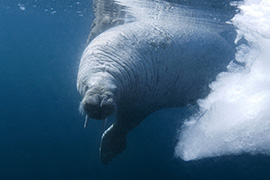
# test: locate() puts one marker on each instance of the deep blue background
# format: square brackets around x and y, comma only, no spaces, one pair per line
[41,130]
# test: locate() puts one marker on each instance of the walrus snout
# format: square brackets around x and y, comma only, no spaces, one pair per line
[98,106]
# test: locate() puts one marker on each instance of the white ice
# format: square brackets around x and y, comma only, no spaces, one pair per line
[235,117]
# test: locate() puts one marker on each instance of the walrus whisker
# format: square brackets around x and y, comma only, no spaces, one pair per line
[85,121]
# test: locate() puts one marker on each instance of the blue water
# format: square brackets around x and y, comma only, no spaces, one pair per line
[42,134]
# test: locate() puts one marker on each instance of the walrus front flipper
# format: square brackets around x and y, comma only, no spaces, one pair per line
[114,141]
[112,144]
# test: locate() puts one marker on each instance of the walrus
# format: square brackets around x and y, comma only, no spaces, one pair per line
[166,56]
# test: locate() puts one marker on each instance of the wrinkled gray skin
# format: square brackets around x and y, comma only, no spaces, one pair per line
[137,68]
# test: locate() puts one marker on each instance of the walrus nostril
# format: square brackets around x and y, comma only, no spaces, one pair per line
[98,107]
[108,106]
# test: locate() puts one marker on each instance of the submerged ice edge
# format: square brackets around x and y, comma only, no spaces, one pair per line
[235,117]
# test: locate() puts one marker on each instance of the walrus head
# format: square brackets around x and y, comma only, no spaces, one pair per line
[99,95]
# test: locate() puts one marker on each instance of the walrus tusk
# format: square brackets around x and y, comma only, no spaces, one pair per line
[104,123]
[85,121]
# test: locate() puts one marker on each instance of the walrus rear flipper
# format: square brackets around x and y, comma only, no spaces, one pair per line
[108,14]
